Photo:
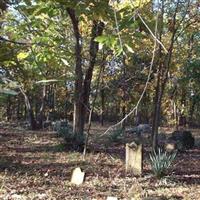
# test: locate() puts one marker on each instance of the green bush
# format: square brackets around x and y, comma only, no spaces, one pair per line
[161,162]
[66,133]
[73,141]
[57,125]
[116,135]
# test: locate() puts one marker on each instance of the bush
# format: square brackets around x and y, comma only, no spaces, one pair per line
[161,162]
[66,133]
[57,125]
[183,140]
[73,141]
[116,135]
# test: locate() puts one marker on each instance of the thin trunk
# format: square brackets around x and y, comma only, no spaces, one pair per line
[97,30]
[102,106]
[8,109]
[124,88]
[192,109]
[91,111]
[175,115]
[41,111]
[78,122]
[156,113]
[162,78]
[18,108]
[32,119]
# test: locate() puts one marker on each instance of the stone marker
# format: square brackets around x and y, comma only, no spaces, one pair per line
[134,158]
[111,198]
[77,176]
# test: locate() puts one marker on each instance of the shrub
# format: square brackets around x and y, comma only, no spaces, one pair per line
[183,140]
[57,125]
[116,135]
[66,133]
[161,162]
[73,141]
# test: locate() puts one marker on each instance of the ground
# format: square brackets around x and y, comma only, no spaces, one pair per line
[36,165]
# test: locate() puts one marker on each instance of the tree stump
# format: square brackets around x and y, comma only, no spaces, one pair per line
[134,157]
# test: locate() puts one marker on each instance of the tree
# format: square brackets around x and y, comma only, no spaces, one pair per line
[179,20]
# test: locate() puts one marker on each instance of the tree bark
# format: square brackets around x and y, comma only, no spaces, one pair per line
[155,122]
[83,85]
[42,107]
[102,105]
[78,122]
[97,30]
[29,109]
[162,78]
[8,109]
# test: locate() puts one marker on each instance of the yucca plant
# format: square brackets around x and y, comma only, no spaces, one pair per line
[161,162]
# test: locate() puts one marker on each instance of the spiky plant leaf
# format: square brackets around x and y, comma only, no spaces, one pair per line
[160,162]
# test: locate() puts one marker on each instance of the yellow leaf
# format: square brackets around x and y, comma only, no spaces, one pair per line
[22,55]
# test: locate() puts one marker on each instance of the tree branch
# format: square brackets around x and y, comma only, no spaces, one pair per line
[145,88]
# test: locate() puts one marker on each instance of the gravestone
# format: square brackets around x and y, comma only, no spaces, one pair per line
[111,198]
[134,158]
[77,176]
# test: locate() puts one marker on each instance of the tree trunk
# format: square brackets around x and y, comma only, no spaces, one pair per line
[32,120]
[78,121]
[157,97]
[192,109]
[29,109]
[97,30]
[82,86]
[102,105]
[8,109]
[41,111]
[18,108]
[163,71]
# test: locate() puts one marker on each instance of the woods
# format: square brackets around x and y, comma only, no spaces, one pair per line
[102,72]
[51,41]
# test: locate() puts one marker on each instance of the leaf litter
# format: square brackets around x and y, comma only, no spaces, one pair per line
[35,165]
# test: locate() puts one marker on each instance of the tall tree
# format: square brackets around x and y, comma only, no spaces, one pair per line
[83,81]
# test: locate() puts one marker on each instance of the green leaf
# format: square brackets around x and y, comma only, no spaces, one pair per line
[101,39]
[118,51]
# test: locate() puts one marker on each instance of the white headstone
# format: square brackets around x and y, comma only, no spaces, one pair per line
[134,158]
[77,176]
[111,198]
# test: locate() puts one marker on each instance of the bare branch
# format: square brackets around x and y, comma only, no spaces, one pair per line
[146,84]
[153,35]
